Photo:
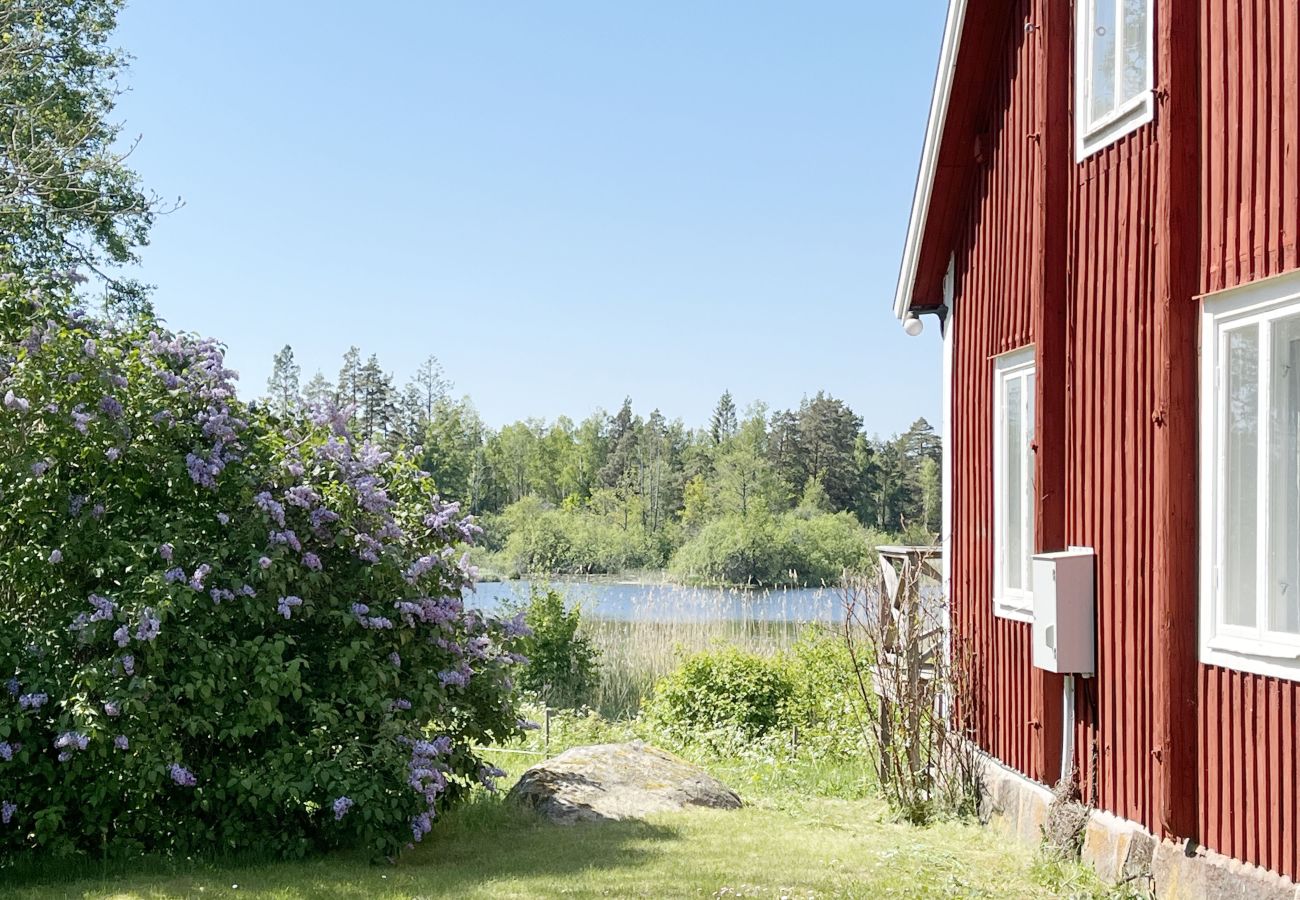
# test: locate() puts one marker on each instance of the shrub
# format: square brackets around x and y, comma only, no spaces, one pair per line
[827,545]
[219,631]
[561,668]
[720,694]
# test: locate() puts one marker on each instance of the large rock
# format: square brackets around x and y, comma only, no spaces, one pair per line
[608,782]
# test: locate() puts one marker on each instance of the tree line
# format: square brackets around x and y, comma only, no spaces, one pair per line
[643,484]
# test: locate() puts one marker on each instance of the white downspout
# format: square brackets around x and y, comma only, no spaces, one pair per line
[945,467]
[1067,727]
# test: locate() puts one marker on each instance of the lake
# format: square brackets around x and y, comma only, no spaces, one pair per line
[626,601]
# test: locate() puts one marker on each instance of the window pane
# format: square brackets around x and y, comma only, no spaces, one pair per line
[1241,443]
[1029,482]
[1013,489]
[1135,48]
[1284,477]
[1101,89]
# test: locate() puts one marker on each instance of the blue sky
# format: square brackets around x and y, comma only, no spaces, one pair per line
[566,202]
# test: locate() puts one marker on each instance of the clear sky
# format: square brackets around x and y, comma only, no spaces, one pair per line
[565,202]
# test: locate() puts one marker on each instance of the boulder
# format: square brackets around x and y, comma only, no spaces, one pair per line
[609,782]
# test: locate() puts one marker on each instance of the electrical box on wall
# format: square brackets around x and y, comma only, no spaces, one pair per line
[1065,616]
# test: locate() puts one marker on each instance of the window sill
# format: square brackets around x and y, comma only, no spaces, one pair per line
[1256,657]
[1019,610]
[1128,118]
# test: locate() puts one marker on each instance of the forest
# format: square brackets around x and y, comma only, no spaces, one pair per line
[754,496]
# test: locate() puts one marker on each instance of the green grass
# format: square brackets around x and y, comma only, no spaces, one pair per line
[821,847]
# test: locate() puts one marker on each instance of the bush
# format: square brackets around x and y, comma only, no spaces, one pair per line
[561,668]
[219,631]
[543,540]
[721,694]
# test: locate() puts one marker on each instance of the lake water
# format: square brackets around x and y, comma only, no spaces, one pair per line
[675,603]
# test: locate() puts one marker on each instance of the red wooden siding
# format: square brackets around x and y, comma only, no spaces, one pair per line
[1109,448]
[1250,188]
[993,315]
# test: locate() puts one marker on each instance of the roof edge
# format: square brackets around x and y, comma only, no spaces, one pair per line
[943,80]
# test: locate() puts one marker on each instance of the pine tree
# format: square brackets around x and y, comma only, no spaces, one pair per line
[723,424]
[282,386]
[318,391]
[376,403]
[348,391]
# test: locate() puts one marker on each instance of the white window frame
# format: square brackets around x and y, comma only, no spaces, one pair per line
[1256,649]
[1125,117]
[1011,603]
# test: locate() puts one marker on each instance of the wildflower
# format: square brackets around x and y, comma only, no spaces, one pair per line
[7,811]
[56,556]
[121,743]
[181,775]
[32,701]
[165,551]
[341,807]
[286,605]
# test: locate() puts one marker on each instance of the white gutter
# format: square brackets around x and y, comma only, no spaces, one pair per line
[929,156]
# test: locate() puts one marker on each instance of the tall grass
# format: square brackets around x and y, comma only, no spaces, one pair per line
[666,624]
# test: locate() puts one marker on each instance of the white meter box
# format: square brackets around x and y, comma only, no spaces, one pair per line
[1065,612]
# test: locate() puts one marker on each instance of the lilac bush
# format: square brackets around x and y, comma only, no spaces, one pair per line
[220,630]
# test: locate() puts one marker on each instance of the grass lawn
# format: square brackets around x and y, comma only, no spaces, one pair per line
[814,847]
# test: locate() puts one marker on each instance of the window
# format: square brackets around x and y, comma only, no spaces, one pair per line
[1113,65]
[1250,478]
[1013,484]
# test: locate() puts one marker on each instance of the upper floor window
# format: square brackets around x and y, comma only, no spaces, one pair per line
[1250,474]
[1013,484]
[1113,66]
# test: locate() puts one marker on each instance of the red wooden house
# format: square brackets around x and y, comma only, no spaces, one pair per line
[1106,221]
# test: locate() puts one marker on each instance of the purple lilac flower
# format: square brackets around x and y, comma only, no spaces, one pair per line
[311,561]
[112,709]
[75,503]
[6,751]
[395,659]
[166,551]
[421,825]
[123,637]
[268,504]
[223,518]
[118,380]
[287,537]
[527,725]
[13,686]
[128,663]
[202,572]
[301,496]
[247,591]
[149,626]
[7,811]
[15,402]
[341,807]
[56,556]
[286,605]
[65,756]
[113,454]
[111,407]
[488,775]
[104,608]
[181,775]
[32,701]
[453,676]
[220,594]
[518,627]
[74,377]
[40,467]
[97,511]
[265,562]
[121,743]
[71,739]
[89,348]
[400,704]
[420,567]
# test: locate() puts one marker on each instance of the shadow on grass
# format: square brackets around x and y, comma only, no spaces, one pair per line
[484,842]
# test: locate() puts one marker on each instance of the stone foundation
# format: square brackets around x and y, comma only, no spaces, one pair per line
[1123,851]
